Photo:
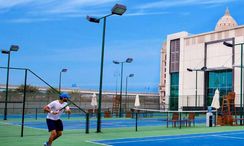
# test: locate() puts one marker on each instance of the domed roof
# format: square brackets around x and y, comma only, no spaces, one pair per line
[226,22]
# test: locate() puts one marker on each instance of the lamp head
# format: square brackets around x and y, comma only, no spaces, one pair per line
[228,44]
[118,9]
[5,51]
[92,19]
[204,68]
[64,70]
[131,75]
[14,48]
[115,62]
[129,60]
[189,69]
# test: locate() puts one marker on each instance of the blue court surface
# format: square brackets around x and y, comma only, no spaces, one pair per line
[81,124]
[108,123]
[233,138]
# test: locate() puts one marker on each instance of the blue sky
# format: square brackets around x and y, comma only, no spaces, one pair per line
[54,34]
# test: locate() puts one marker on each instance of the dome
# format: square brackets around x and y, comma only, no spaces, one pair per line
[226,22]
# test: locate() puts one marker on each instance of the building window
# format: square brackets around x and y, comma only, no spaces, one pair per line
[221,80]
[174,55]
[174,91]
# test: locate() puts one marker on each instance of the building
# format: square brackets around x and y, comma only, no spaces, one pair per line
[162,76]
[199,64]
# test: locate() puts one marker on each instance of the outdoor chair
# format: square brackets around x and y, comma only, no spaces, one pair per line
[191,119]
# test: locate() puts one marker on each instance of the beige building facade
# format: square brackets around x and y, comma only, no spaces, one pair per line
[197,65]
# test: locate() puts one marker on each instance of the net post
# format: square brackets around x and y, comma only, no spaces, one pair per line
[180,120]
[87,123]
[167,119]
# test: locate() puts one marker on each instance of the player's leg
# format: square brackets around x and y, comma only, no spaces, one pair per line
[51,124]
[59,128]
[59,133]
[53,136]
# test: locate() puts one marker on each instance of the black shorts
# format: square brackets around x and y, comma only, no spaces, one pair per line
[54,125]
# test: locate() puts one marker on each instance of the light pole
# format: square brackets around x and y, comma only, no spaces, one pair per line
[60,78]
[128,60]
[118,9]
[241,104]
[8,52]
[196,70]
[126,85]
[116,74]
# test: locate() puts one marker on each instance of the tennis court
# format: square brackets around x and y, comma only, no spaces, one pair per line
[208,139]
[78,121]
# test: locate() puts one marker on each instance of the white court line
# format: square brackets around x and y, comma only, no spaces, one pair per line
[172,138]
[19,125]
[230,137]
[93,142]
[160,139]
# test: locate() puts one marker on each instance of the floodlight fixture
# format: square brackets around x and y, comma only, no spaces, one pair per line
[5,51]
[228,44]
[131,75]
[64,70]
[118,9]
[129,60]
[189,69]
[92,19]
[14,48]
[116,62]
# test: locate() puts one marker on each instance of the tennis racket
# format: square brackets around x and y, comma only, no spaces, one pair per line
[64,106]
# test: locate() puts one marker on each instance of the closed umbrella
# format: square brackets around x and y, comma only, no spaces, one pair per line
[215,102]
[94,101]
[137,101]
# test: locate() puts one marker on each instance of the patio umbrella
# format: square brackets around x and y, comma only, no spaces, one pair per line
[137,101]
[215,102]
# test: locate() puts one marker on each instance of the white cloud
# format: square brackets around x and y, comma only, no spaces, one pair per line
[174,3]
[12,3]
[145,13]
[45,10]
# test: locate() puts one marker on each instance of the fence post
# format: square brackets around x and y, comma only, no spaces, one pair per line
[136,120]
[87,123]
[23,108]
[36,113]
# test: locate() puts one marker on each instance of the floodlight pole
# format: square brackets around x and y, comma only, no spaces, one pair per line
[241,82]
[121,82]
[118,9]
[60,79]
[126,85]
[6,92]
[128,60]
[101,78]
[196,70]
[241,104]
[59,87]
[12,48]
[196,90]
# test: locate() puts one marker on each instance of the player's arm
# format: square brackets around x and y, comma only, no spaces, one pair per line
[47,109]
[67,110]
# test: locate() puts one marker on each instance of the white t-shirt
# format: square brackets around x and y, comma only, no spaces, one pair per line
[56,106]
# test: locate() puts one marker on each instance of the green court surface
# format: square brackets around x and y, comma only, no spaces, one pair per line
[10,134]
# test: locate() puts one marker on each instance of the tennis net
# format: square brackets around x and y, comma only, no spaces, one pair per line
[151,117]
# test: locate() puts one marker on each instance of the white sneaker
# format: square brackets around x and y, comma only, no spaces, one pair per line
[45,144]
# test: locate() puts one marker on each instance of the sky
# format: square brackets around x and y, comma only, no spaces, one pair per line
[54,34]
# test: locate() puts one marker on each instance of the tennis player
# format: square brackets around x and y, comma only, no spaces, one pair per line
[55,110]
